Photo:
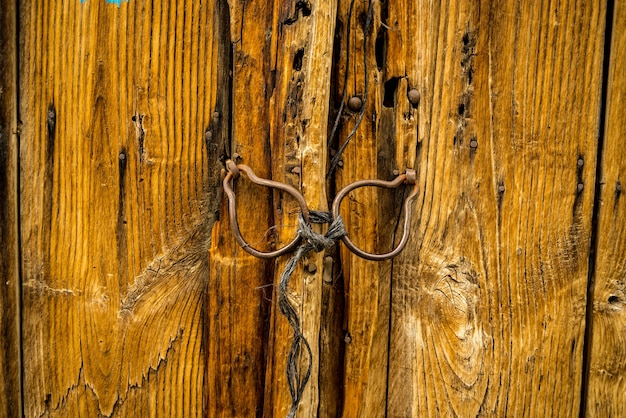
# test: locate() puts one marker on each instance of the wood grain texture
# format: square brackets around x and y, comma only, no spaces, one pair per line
[368,213]
[238,307]
[10,361]
[119,192]
[606,391]
[299,107]
[488,299]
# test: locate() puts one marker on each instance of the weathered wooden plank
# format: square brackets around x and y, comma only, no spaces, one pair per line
[606,391]
[119,192]
[488,298]
[238,295]
[10,361]
[299,106]
[369,214]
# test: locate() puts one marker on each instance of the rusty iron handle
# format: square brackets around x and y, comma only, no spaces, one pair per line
[233,172]
[408,178]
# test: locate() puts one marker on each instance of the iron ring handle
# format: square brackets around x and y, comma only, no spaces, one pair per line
[403,178]
[232,208]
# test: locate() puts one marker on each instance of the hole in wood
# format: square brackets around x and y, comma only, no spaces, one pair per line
[390,88]
[380,48]
[297,59]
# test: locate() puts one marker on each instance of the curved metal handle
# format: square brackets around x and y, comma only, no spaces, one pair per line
[233,171]
[408,178]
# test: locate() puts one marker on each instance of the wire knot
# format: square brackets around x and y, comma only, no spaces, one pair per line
[316,241]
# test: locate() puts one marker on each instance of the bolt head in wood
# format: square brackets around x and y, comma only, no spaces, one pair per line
[414,96]
[355,103]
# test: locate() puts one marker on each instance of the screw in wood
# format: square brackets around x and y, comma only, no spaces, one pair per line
[355,103]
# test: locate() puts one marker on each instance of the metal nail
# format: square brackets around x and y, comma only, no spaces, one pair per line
[355,103]
[414,96]
[327,276]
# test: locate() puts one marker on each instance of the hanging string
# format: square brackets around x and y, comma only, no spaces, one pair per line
[337,157]
[300,351]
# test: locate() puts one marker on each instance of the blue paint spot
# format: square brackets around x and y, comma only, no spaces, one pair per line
[118,2]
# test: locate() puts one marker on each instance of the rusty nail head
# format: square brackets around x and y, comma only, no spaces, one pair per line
[413,96]
[474,143]
[501,188]
[355,103]
[122,156]
[580,162]
[580,187]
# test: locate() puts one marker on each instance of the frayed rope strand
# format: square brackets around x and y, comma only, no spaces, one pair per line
[311,241]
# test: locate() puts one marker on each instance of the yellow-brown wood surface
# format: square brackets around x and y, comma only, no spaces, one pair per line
[117,203]
[488,299]
[607,369]
[299,105]
[10,366]
[238,295]
[368,214]
[136,298]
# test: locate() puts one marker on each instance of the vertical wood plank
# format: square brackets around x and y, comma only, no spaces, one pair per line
[488,299]
[119,193]
[10,361]
[238,294]
[299,109]
[368,154]
[606,392]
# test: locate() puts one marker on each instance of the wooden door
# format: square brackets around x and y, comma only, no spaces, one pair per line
[124,292]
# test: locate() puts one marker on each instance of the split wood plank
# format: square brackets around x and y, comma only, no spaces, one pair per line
[299,106]
[488,299]
[119,193]
[10,361]
[606,391]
